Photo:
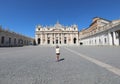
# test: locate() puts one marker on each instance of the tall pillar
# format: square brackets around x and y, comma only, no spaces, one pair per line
[51,39]
[69,42]
[46,39]
[71,38]
[36,38]
[119,37]
[110,38]
[67,39]
[114,37]
[58,38]
[61,39]
[41,39]
[54,39]
[76,35]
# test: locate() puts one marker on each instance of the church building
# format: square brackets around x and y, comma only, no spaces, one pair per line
[56,35]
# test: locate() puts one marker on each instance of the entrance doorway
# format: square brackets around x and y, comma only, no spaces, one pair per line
[39,40]
[74,40]
[48,41]
[65,40]
[56,41]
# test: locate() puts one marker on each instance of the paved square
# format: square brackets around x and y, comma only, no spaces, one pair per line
[37,65]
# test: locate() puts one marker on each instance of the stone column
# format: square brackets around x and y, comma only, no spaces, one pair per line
[109,39]
[67,39]
[114,37]
[61,39]
[71,38]
[117,37]
[77,39]
[41,39]
[51,39]
[58,38]
[54,39]
[36,38]
[46,39]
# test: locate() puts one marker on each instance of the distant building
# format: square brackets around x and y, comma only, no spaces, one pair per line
[9,38]
[56,35]
[101,32]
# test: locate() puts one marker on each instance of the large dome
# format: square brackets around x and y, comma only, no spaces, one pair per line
[58,25]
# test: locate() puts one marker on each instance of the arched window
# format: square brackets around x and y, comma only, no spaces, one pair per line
[74,28]
[38,40]
[38,28]
[74,40]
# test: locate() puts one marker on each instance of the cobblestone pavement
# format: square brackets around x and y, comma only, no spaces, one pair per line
[37,65]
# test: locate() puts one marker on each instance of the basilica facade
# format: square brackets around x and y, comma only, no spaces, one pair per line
[56,35]
[100,32]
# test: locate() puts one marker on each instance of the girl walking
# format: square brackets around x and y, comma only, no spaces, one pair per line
[57,53]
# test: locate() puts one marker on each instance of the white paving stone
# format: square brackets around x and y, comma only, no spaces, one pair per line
[37,65]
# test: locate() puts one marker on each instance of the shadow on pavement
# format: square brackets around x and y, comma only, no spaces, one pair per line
[62,59]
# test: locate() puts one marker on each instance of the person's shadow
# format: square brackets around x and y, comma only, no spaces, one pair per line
[62,59]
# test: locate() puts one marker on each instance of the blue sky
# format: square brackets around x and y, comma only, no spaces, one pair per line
[23,15]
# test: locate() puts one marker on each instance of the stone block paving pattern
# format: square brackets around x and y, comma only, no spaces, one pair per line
[37,65]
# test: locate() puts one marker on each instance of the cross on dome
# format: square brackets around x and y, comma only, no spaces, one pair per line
[57,22]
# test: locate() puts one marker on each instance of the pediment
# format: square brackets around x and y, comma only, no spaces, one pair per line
[57,30]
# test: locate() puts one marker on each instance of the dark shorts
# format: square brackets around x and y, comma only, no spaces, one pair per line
[57,53]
